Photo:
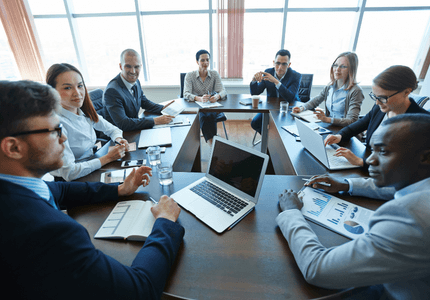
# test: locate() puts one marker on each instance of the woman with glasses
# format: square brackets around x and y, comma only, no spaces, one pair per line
[342,96]
[390,91]
[79,119]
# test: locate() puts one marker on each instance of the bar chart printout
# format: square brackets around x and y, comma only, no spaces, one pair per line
[336,214]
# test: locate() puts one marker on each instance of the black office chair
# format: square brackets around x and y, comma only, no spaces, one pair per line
[96,97]
[221,116]
[305,87]
[304,95]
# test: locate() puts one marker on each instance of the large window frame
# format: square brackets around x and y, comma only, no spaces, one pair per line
[421,65]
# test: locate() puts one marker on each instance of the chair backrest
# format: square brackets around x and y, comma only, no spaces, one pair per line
[305,87]
[420,100]
[96,97]
[182,85]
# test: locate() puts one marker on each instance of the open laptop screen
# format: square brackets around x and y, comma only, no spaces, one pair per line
[236,167]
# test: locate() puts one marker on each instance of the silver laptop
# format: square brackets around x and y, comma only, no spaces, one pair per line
[230,188]
[314,143]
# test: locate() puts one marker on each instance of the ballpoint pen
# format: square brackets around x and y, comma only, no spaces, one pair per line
[153,200]
[322,183]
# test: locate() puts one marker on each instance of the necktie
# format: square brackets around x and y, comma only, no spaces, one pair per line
[134,89]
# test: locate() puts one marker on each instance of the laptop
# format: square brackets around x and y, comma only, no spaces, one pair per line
[230,188]
[314,143]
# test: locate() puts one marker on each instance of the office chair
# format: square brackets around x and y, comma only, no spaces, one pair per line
[96,97]
[221,116]
[304,95]
[420,100]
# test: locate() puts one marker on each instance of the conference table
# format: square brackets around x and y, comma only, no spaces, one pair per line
[251,261]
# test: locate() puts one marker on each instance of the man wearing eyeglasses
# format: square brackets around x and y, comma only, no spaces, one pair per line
[46,254]
[280,81]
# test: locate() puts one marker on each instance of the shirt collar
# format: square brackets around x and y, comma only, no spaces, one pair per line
[71,116]
[280,79]
[36,185]
[417,186]
[127,84]
[198,74]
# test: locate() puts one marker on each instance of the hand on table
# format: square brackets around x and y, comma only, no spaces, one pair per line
[124,142]
[138,177]
[351,157]
[336,185]
[297,109]
[289,200]
[166,208]
[164,119]
[116,152]
[214,98]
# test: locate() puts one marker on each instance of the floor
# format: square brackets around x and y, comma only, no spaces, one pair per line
[238,131]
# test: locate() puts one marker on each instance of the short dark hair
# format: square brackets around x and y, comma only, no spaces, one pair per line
[283,52]
[200,52]
[51,78]
[396,78]
[21,100]
[419,129]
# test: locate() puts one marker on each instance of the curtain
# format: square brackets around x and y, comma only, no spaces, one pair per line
[230,14]
[19,27]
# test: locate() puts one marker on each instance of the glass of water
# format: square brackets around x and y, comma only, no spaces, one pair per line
[154,155]
[283,107]
[164,171]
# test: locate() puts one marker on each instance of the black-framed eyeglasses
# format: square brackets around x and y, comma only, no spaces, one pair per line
[281,64]
[382,99]
[335,66]
[58,129]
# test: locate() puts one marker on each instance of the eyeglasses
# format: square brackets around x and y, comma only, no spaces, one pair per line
[58,129]
[281,64]
[343,67]
[382,99]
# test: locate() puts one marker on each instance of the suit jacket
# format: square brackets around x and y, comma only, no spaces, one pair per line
[289,89]
[47,255]
[371,121]
[121,108]
[394,252]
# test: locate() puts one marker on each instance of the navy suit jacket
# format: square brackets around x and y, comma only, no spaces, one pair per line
[45,254]
[122,109]
[289,89]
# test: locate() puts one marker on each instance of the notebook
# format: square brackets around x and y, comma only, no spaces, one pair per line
[155,137]
[314,143]
[307,115]
[235,172]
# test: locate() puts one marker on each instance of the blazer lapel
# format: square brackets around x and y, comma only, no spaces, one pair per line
[128,97]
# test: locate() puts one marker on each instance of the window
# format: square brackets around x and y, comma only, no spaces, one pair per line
[170,32]
[8,68]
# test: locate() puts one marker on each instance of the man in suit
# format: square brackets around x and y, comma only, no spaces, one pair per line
[280,81]
[123,97]
[393,258]
[45,253]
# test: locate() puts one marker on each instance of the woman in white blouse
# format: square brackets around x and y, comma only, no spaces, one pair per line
[79,119]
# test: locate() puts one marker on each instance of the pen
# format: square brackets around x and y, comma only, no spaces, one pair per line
[322,183]
[240,219]
[153,200]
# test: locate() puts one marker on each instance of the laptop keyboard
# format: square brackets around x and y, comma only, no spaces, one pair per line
[336,161]
[218,197]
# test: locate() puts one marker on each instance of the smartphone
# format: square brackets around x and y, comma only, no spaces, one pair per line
[133,163]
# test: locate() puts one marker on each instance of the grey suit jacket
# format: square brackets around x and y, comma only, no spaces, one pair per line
[395,251]
[121,108]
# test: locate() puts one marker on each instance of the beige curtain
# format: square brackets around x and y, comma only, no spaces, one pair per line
[19,27]
[230,15]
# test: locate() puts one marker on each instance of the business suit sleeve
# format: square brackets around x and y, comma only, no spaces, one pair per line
[150,106]
[357,127]
[289,89]
[366,187]
[356,98]
[395,249]
[115,104]
[314,102]
[257,87]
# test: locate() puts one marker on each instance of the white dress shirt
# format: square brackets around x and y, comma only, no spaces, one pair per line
[81,138]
